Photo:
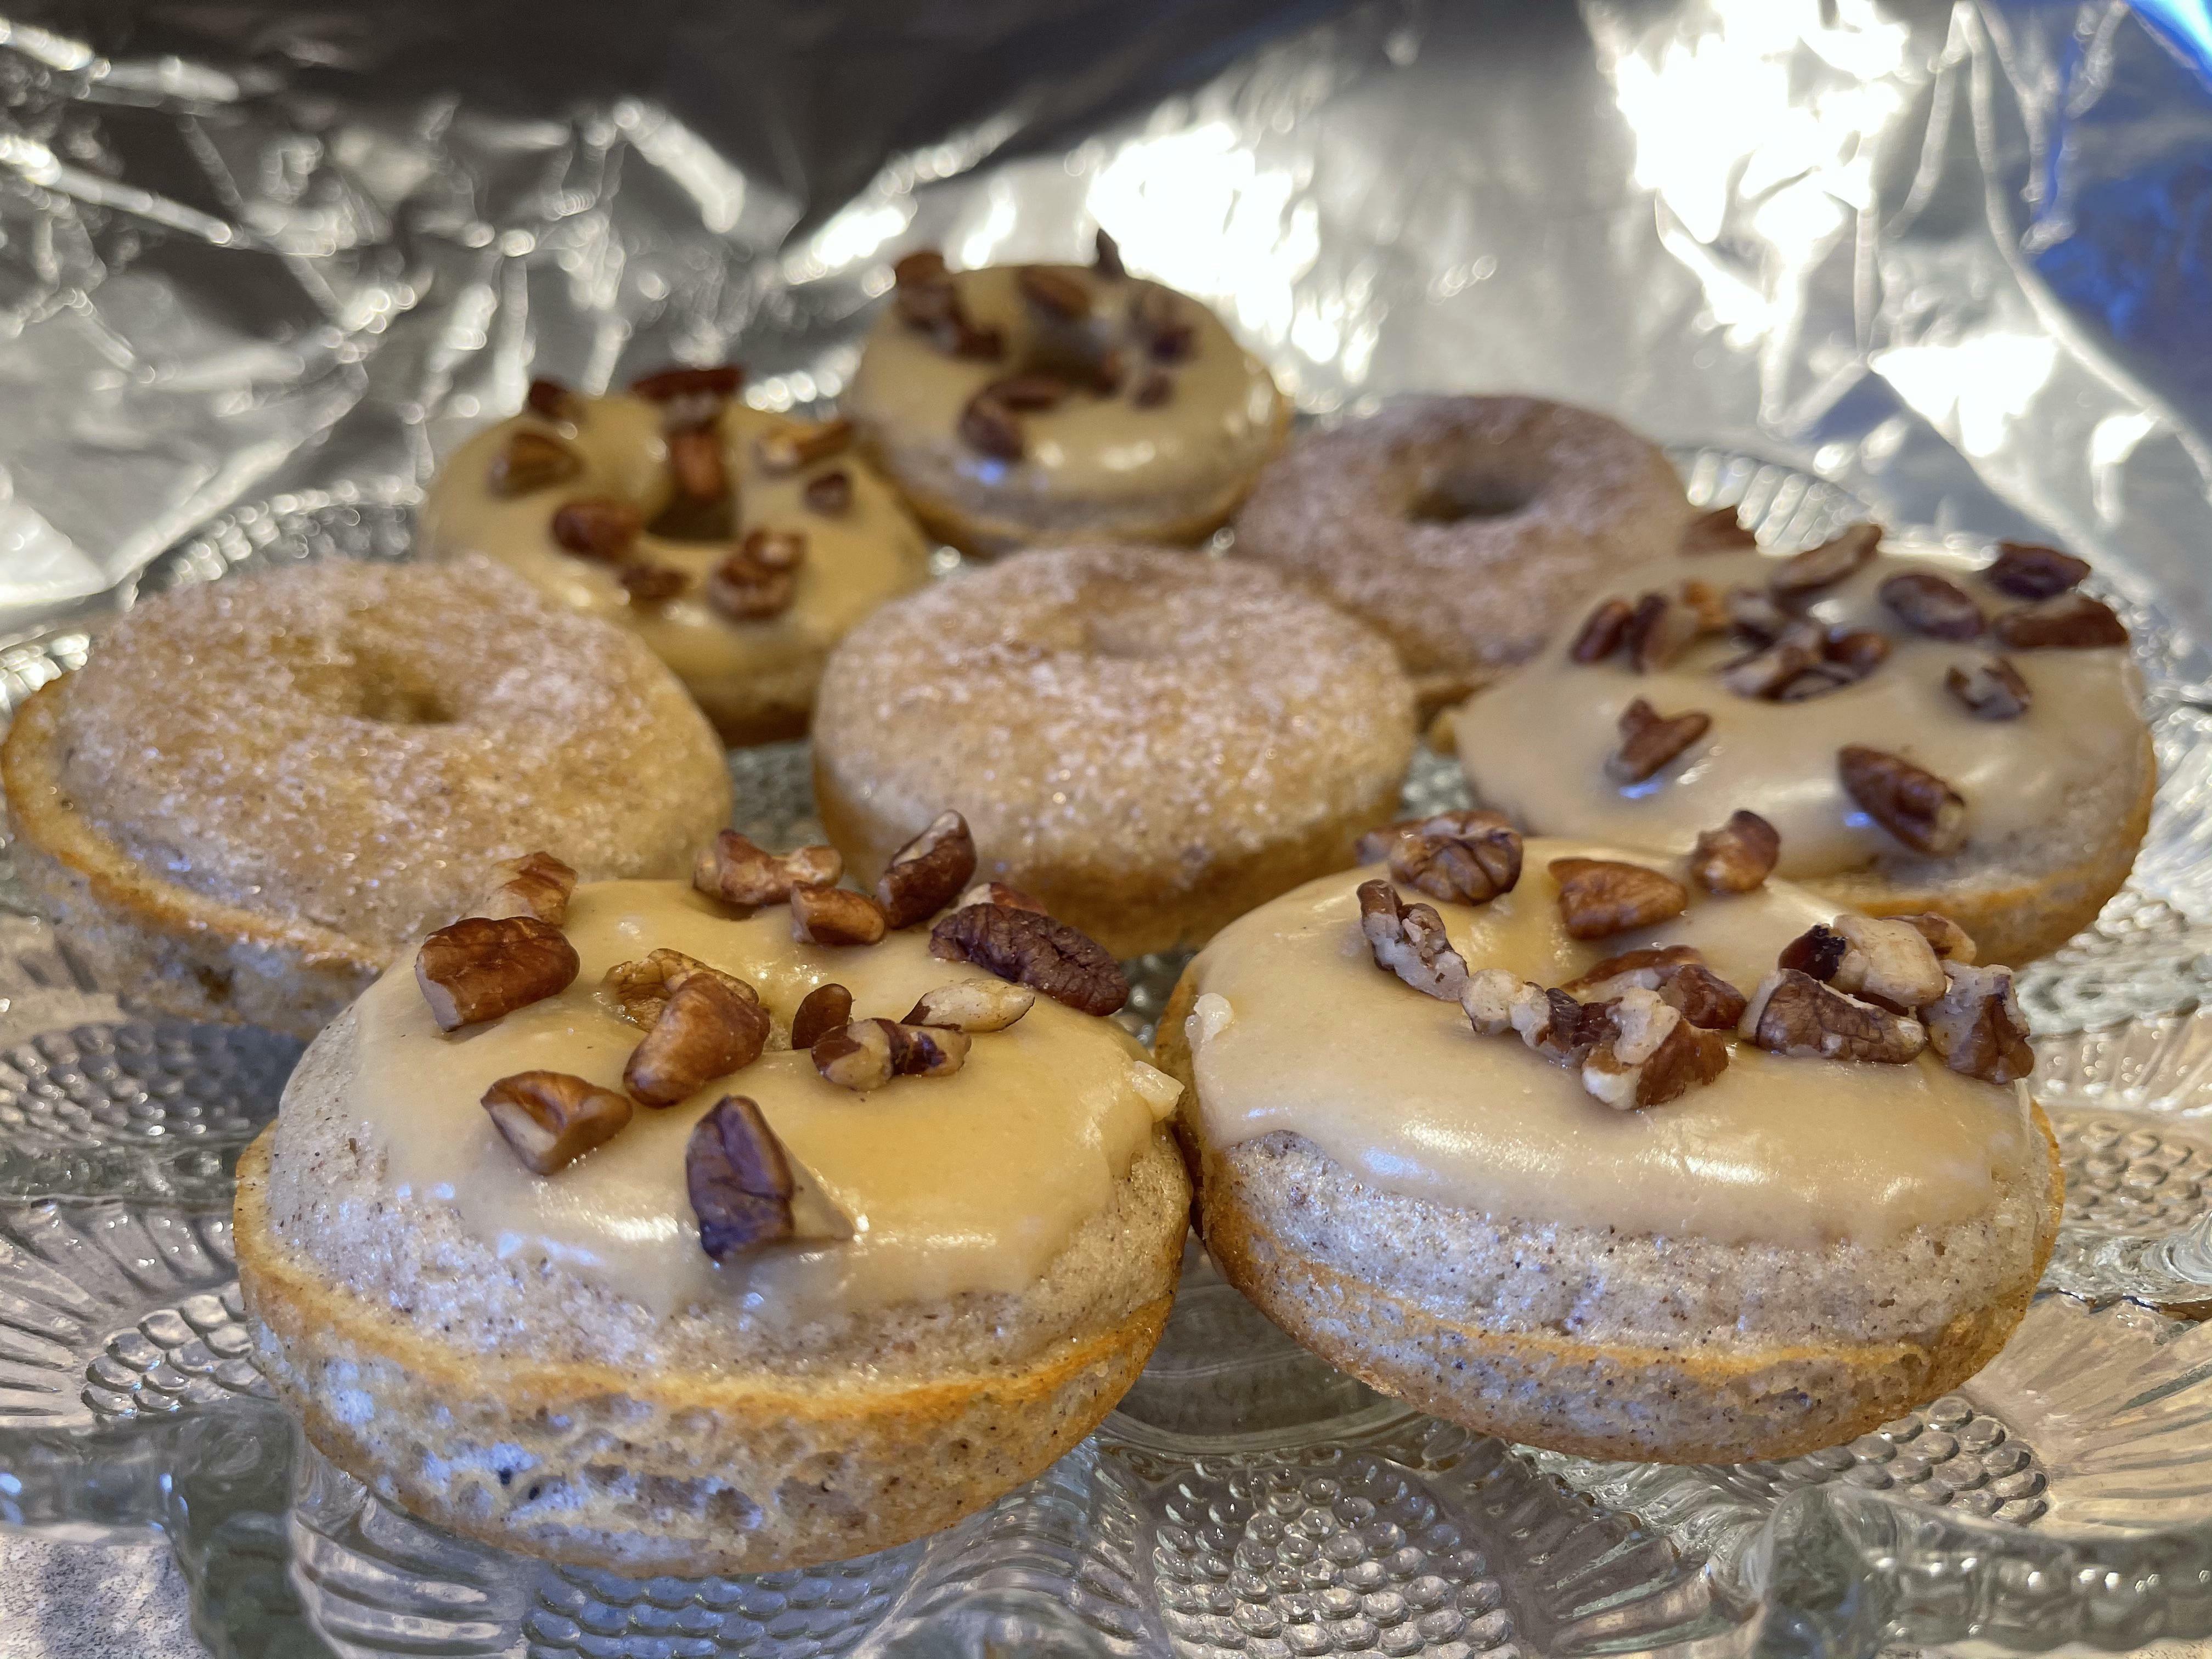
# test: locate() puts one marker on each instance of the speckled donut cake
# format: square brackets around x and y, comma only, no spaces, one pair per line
[1149,742]
[1465,529]
[1617,1154]
[739,545]
[724,1228]
[257,790]
[1930,730]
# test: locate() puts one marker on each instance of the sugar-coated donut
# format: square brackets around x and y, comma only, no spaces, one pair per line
[1465,528]
[1020,405]
[1641,1192]
[1822,690]
[257,789]
[1150,742]
[739,545]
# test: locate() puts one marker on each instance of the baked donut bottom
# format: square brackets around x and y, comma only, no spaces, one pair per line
[1435,1306]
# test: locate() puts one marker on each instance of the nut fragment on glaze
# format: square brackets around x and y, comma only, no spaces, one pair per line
[706,1030]
[1738,857]
[866,1054]
[2027,571]
[640,989]
[1795,1015]
[737,872]
[1977,1024]
[972,1005]
[739,1178]
[531,461]
[925,875]
[1992,691]
[551,1119]
[1408,940]
[1911,803]
[1649,740]
[1599,897]
[1461,857]
[479,969]
[822,914]
[536,884]
[1035,950]
[2072,621]
[1802,574]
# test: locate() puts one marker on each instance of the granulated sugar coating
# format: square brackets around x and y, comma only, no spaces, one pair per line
[1467,529]
[358,743]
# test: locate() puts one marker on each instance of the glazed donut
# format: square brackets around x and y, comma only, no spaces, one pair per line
[953,1279]
[1465,528]
[1025,404]
[739,545]
[1817,701]
[1639,1194]
[1150,743]
[257,789]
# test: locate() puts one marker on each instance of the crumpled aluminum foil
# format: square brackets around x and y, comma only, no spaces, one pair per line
[1957,259]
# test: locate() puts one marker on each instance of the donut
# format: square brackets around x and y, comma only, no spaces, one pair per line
[257,790]
[738,543]
[1018,405]
[675,1301]
[1829,692]
[1465,529]
[1149,742]
[1586,1157]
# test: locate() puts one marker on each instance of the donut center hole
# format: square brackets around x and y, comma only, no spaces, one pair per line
[1455,495]
[372,687]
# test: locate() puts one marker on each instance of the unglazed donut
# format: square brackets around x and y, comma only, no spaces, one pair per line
[739,545]
[2051,763]
[1151,742]
[1571,1201]
[1465,528]
[965,1273]
[257,789]
[1018,405]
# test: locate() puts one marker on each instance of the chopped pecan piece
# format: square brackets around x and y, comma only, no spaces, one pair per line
[829,494]
[1930,605]
[927,300]
[1994,691]
[1054,292]
[481,968]
[1913,804]
[869,1053]
[641,989]
[919,269]
[1754,615]
[1676,973]
[1461,857]
[1949,941]
[530,461]
[925,875]
[684,382]
[1657,630]
[973,1005]
[756,580]
[549,400]
[1029,394]
[823,914]
[736,871]
[1106,258]
[1654,1054]
[695,462]
[1157,388]
[988,425]
[1708,605]
[1032,949]
[597,527]
[2071,622]
[650,584]
[1806,573]
[1601,631]
[1887,962]
[705,1030]
[1645,966]
[1600,896]
[821,1011]
[1719,531]
[1158,322]
[1815,683]
[1768,672]
[1556,1025]
[1737,857]
[998,893]
[797,444]
[1977,1024]
[1857,651]
[1795,1015]
[1816,952]
[739,1178]
[536,884]
[1408,940]
[1490,996]
[2026,571]
[1649,740]
[551,1119]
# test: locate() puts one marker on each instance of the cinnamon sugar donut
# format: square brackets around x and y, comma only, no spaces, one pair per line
[1465,529]
[257,790]
[1149,742]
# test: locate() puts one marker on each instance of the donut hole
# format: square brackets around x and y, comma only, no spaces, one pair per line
[377,688]
[1458,493]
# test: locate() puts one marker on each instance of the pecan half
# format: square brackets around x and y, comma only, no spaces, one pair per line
[1032,949]
[739,1178]
[2071,622]
[1600,896]
[1649,740]
[1825,565]
[996,892]
[536,884]
[1655,1053]
[1461,857]
[829,494]
[756,580]
[1737,857]
[1601,631]
[641,989]
[1657,630]
[1977,1024]
[927,873]
[549,400]
[823,914]
[1160,323]
[481,968]
[1949,941]
[797,444]
[1795,1015]
[1408,940]
[650,584]
[2026,571]
[820,1012]
[1912,804]
[1054,292]
[1929,603]
[1857,651]
[988,425]
[551,1119]
[869,1053]
[1888,962]
[1816,952]
[682,381]
[1157,388]
[1106,258]
[1720,530]
[1993,691]
[706,1030]
[695,464]
[972,1005]
[736,871]
[530,461]
[597,527]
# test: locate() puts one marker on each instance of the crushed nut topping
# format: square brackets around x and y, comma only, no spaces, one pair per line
[1816,952]
[1408,940]
[820,1012]
[1676,973]
[1054,292]
[1737,857]
[1032,949]
[1912,804]
[1157,320]
[1721,530]
[1649,740]
[481,968]
[682,382]
[549,400]
[1887,962]
[706,1029]
[925,875]
[1461,857]
[1824,566]
[1653,1052]
[1993,691]
[988,425]
[1949,941]
[1977,1024]
[639,990]
[736,871]
[829,494]
[1106,258]
[1601,631]
[757,579]
[536,884]
[996,892]
[973,1005]
[739,1179]
[530,461]
[2070,622]
[551,1119]
[1930,605]
[1795,1015]
[798,444]
[597,527]
[650,584]
[2026,571]
[1599,897]
[869,1053]
[1657,630]
[823,914]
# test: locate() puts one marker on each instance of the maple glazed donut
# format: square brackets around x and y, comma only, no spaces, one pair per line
[1149,742]
[1619,1155]
[681,1237]
[1465,528]
[1018,405]
[1927,730]
[257,790]
[739,545]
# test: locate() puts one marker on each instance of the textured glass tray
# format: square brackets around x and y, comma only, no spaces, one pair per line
[1246,1498]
